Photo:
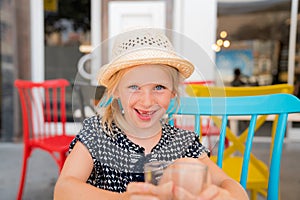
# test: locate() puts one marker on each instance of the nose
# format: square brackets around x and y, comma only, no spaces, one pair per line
[147,98]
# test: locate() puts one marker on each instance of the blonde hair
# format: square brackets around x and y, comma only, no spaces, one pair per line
[113,113]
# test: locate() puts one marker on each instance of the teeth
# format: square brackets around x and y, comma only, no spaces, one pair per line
[146,112]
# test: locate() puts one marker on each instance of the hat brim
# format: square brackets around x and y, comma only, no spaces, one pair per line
[142,57]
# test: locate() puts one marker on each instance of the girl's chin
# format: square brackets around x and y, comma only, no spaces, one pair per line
[146,124]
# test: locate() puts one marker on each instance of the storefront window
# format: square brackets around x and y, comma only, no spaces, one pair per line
[67,29]
[257,40]
[258,34]
[7,62]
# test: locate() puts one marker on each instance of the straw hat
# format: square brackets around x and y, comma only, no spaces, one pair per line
[143,46]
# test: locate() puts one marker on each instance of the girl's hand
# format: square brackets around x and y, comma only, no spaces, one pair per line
[147,191]
[210,192]
[180,193]
[213,192]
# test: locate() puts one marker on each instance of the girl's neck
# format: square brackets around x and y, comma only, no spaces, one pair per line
[141,134]
[146,142]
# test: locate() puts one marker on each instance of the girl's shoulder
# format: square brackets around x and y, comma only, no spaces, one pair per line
[93,121]
[186,142]
[95,128]
[179,132]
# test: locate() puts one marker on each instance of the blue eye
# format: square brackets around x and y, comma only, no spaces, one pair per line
[160,87]
[133,87]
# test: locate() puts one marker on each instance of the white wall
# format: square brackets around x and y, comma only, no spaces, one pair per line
[194,19]
[198,21]
[37,50]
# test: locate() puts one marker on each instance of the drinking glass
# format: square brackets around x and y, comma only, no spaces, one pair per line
[154,170]
[191,177]
[188,177]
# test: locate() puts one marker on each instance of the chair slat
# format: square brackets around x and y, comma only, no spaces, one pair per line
[197,124]
[222,140]
[54,104]
[273,183]
[248,150]
[62,113]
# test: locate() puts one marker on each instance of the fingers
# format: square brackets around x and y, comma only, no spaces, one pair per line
[215,193]
[182,194]
[166,191]
[208,178]
[146,191]
[141,187]
[143,197]
[209,192]
[142,191]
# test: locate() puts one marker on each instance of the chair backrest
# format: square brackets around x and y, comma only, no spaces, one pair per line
[254,106]
[215,91]
[205,90]
[43,107]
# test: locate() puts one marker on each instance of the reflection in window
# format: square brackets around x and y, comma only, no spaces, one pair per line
[261,28]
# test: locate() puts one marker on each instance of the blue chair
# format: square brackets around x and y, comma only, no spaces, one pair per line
[253,106]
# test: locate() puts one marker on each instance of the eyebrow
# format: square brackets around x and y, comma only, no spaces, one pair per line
[155,83]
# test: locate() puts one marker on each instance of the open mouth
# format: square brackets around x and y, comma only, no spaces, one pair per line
[144,115]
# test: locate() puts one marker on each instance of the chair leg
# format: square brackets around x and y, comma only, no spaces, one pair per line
[62,160]
[23,173]
[253,195]
[262,192]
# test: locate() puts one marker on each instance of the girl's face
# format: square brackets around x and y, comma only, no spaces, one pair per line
[145,93]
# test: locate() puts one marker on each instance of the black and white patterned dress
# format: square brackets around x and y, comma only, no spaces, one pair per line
[118,161]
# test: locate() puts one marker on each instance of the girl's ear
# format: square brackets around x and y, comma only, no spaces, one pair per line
[116,94]
[173,94]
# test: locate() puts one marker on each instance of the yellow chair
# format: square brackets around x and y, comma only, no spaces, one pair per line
[198,90]
[257,182]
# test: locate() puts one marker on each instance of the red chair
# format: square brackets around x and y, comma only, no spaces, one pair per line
[44,118]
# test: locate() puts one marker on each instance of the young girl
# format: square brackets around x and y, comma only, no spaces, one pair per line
[107,157]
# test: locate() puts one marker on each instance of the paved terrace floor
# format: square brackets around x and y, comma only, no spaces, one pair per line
[43,172]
